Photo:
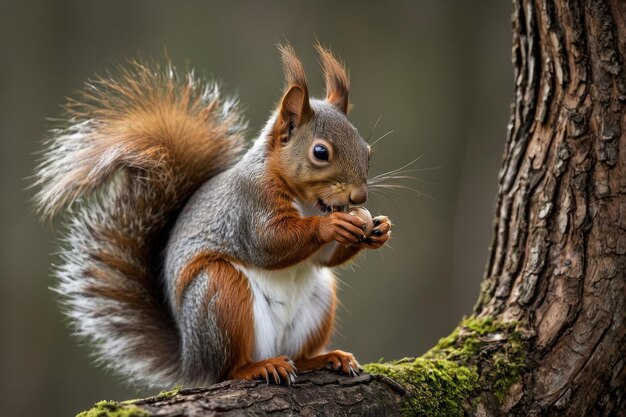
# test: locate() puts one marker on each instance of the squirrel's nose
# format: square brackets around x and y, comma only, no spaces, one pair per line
[359,195]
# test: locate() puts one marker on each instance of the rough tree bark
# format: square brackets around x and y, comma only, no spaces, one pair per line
[548,335]
[557,262]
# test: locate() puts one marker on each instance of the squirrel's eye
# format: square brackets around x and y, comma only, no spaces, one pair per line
[320,152]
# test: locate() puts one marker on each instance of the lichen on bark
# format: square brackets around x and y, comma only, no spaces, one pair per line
[481,355]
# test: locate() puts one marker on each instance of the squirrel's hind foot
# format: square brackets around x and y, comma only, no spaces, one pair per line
[279,370]
[337,360]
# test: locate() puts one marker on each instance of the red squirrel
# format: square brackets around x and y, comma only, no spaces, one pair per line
[189,258]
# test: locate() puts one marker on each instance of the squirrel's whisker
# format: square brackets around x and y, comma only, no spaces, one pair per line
[395,171]
[404,187]
[373,129]
[381,138]
[380,180]
[392,195]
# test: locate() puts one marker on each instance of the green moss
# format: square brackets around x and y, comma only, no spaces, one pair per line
[480,354]
[504,375]
[113,409]
[441,385]
[166,395]
[494,347]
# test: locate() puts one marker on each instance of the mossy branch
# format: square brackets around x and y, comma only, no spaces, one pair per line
[482,357]
[479,362]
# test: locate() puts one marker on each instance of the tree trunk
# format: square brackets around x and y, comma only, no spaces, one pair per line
[548,336]
[557,259]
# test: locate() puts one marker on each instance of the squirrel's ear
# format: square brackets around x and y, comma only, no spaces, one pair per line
[295,108]
[337,79]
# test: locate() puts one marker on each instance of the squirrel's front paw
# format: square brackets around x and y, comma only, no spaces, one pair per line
[342,227]
[279,370]
[380,233]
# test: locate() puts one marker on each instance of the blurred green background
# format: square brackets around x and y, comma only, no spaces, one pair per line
[438,72]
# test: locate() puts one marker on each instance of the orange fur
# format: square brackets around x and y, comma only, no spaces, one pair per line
[233,309]
[293,236]
[199,263]
[190,271]
[148,119]
[342,255]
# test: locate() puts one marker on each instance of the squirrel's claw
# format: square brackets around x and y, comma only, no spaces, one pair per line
[336,360]
[273,370]
[379,234]
[343,362]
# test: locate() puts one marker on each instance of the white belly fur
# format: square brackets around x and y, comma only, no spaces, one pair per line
[289,304]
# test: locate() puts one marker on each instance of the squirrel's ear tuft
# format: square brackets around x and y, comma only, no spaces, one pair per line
[292,67]
[295,108]
[337,79]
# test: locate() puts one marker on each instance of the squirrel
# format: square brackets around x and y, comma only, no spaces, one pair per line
[188,258]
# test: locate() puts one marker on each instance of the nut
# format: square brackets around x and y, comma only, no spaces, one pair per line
[364,215]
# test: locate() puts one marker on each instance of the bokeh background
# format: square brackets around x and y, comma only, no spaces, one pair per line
[438,72]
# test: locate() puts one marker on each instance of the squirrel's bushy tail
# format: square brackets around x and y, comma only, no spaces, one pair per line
[134,150]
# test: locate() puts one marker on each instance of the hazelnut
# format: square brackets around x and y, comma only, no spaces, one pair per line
[364,215]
